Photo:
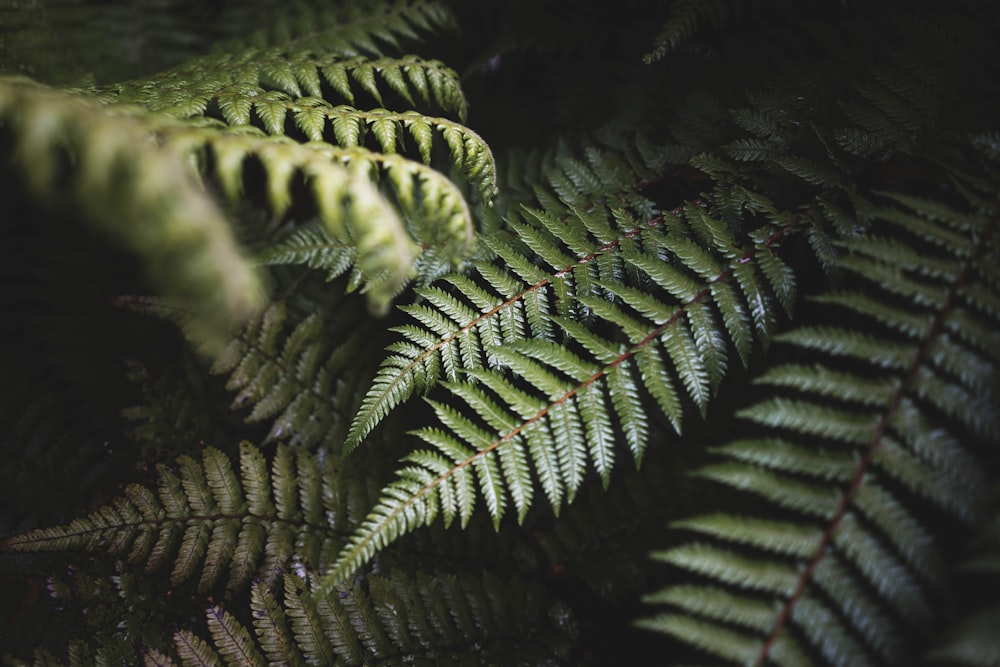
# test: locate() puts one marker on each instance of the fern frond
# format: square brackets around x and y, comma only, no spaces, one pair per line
[350,206]
[100,164]
[851,571]
[204,513]
[549,410]
[396,618]
[456,326]
[235,82]
[311,246]
[389,131]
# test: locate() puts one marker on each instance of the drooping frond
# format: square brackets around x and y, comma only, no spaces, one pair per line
[300,91]
[394,619]
[856,440]
[204,514]
[340,184]
[100,164]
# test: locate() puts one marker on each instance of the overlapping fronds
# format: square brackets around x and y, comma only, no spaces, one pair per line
[647,312]
[97,163]
[584,317]
[277,90]
[204,514]
[857,441]
[438,618]
[294,373]
[341,186]
[462,318]
[301,89]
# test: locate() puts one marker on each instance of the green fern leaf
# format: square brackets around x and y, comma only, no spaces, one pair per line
[311,246]
[194,651]
[852,580]
[542,426]
[444,618]
[232,639]
[248,524]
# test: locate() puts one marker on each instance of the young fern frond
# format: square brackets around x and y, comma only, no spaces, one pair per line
[855,443]
[393,619]
[311,246]
[205,514]
[99,164]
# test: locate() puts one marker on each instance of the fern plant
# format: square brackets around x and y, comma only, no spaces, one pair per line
[515,333]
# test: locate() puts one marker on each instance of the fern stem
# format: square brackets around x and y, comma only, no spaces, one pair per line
[14,544]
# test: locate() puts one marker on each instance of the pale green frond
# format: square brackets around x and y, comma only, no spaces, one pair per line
[117,177]
[349,205]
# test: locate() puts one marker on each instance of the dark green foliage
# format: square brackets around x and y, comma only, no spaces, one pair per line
[435,618]
[421,331]
[865,449]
